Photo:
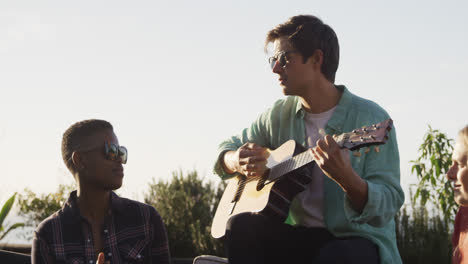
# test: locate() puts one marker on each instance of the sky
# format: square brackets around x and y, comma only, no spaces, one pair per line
[175,78]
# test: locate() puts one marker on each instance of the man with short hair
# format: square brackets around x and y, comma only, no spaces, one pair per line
[96,225]
[346,213]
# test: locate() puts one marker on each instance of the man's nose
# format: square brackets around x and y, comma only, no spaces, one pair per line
[277,68]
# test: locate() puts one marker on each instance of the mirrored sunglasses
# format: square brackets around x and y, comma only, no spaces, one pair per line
[114,152]
[281,58]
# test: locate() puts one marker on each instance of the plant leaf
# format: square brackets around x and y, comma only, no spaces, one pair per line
[12,227]
[6,208]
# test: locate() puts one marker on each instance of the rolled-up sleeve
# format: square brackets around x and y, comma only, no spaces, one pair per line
[385,195]
[257,133]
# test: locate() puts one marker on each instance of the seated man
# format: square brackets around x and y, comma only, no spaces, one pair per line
[458,174]
[345,214]
[95,221]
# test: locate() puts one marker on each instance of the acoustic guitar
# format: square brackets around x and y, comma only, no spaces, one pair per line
[287,174]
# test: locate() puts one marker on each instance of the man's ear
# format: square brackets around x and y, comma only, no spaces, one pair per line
[317,58]
[77,160]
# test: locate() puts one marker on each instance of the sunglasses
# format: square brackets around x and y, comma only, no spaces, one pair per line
[113,152]
[280,58]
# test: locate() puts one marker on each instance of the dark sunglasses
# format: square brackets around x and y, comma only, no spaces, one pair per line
[113,152]
[280,58]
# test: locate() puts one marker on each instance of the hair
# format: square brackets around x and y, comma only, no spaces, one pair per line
[77,134]
[463,134]
[307,34]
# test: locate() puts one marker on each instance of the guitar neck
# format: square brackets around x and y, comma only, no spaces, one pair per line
[289,165]
[358,138]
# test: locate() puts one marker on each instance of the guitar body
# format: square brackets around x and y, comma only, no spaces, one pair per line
[258,195]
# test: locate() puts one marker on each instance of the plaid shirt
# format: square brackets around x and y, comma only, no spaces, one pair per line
[132,233]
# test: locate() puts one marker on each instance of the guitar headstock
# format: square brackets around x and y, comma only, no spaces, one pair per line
[376,134]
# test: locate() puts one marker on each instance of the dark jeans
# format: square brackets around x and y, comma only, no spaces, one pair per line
[252,238]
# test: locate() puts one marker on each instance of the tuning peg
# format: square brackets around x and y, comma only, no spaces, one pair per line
[367,150]
[357,153]
[377,149]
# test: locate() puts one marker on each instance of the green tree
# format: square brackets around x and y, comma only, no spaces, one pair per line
[187,206]
[3,214]
[35,207]
[430,168]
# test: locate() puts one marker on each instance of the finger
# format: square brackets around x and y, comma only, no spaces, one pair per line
[252,160]
[319,151]
[244,153]
[254,148]
[252,173]
[251,145]
[256,159]
[331,142]
[100,259]
[322,144]
[317,157]
[251,167]
[246,168]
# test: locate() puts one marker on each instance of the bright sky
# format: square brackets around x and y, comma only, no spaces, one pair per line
[175,78]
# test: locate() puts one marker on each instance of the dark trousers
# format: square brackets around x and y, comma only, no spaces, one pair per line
[252,238]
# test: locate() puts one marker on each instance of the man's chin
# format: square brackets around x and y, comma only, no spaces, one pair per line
[114,186]
[286,91]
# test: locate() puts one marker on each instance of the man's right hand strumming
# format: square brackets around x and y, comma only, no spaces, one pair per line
[249,160]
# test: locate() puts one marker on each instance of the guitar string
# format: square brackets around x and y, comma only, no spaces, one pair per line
[280,169]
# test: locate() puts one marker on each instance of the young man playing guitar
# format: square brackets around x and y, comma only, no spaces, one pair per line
[345,215]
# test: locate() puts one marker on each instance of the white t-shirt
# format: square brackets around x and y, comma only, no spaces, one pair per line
[307,206]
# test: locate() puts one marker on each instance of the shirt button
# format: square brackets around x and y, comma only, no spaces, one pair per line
[105,231]
[91,262]
[109,254]
[138,256]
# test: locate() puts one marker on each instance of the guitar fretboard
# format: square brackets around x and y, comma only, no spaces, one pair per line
[289,165]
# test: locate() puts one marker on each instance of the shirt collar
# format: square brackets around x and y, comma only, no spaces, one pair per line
[336,122]
[338,118]
[71,209]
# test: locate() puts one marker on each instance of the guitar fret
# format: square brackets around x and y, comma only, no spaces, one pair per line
[290,165]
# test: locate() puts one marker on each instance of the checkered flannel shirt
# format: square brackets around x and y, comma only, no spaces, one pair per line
[132,233]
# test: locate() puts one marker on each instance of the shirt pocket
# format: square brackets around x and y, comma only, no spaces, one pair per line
[73,254]
[134,250]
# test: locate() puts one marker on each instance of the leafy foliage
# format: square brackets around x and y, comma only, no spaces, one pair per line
[187,206]
[422,237]
[430,168]
[36,208]
[4,213]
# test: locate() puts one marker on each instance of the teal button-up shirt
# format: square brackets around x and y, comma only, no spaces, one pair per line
[285,121]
